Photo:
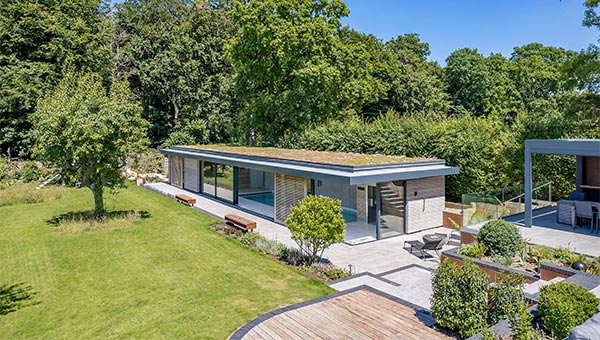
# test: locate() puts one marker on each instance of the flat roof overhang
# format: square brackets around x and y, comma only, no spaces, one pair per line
[575,147]
[343,174]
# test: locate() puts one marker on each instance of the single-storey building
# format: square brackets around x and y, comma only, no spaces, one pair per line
[381,195]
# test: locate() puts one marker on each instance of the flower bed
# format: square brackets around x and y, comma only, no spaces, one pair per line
[322,270]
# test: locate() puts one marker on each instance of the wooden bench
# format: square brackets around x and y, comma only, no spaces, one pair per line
[240,222]
[185,199]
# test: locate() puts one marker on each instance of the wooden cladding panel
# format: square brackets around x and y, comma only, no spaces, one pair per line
[176,173]
[191,174]
[425,203]
[288,191]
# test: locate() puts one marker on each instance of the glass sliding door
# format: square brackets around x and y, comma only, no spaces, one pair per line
[224,182]
[255,189]
[392,209]
[209,171]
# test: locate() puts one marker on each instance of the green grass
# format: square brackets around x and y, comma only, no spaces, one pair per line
[167,276]
[325,157]
[20,192]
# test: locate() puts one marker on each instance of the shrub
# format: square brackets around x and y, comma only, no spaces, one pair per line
[500,237]
[292,256]
[459,300]
[336,273]
[250,239]
[267,246]
[149,161]
[316,223]
[594,266]
[30,172]
[506,297]
[563,254]
[565,305]
[475,249]
[488,333]
[521,323]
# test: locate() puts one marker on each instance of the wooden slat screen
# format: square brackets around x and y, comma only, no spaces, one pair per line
[288,191]
[191,175]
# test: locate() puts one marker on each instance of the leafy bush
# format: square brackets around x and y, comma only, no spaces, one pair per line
[292,256]
[250,239]
[500,237]
[149,161]
[336,273]
[475,249]
[521,323]
[316,223]
[459,301]
[594,266]
[268,246]
[488,333]
[30,172]
[506,297]
[565,305]
[563,254]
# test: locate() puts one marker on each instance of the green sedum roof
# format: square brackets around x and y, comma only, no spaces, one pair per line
[324,157]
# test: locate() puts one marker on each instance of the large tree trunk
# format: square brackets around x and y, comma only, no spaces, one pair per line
[98,192]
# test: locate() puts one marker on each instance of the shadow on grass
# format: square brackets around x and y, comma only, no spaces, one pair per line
[89,217]
[14,297]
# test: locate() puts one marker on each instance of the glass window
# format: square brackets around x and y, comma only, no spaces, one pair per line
[208,178]
[225,182]
[392,208]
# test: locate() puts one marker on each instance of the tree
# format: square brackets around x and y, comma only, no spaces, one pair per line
[537,70]
[316,223]
[293,69]
[469,82]
[172,53]
[37,40]
[88,134]
[415,84]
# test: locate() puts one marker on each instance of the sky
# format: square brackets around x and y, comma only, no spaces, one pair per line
[491,26]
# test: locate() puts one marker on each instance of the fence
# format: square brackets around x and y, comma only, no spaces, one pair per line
[487,205]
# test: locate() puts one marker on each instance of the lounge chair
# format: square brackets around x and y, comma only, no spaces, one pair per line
[423,248]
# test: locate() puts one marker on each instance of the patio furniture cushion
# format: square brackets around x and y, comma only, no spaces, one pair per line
[577,196]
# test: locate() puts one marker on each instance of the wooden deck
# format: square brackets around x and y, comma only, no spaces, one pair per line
[361,314]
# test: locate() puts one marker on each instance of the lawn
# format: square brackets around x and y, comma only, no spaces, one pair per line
[167,276]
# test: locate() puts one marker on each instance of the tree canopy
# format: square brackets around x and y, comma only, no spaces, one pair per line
[87,134]
[291,73]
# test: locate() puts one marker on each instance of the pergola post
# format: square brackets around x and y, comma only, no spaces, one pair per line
[528,186]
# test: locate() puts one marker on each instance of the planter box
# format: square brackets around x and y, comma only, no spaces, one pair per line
[549,271]
[490,268]
[456,216]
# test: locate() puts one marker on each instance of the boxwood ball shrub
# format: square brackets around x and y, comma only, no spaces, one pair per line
[565,305]
[500,238]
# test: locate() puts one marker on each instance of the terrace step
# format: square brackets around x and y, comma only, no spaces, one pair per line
[534,287]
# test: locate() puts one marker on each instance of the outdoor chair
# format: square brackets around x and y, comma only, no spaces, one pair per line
[583,211]
[424,248]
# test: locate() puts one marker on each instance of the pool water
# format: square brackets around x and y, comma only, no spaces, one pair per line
[264,198]
[268,199]
[349,215]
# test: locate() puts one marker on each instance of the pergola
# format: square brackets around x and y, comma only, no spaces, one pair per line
[574,147]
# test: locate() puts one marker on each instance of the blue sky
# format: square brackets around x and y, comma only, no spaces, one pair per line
[488,25]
